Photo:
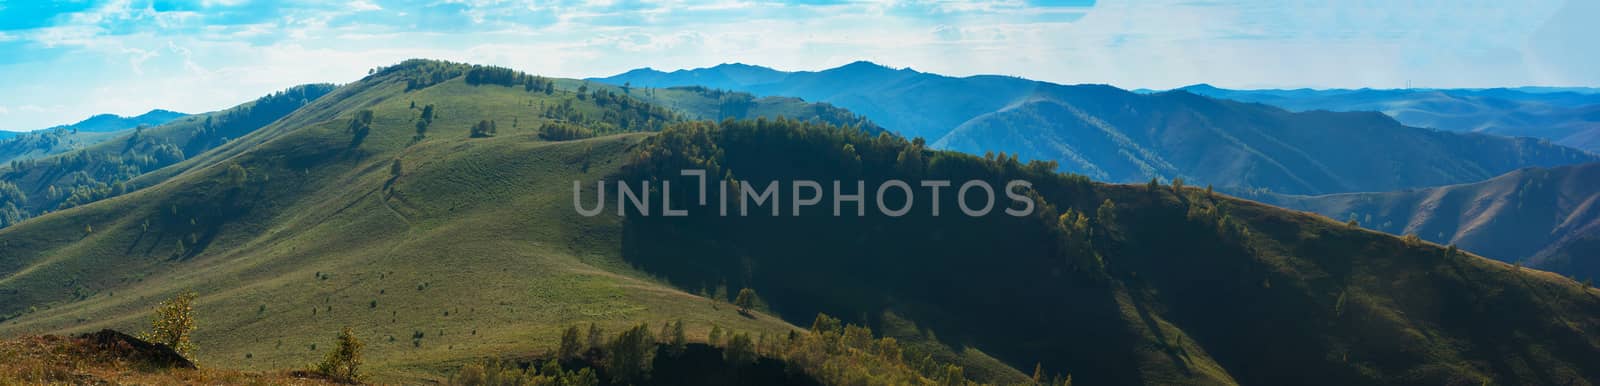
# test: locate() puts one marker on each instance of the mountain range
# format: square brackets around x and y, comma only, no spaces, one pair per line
[429,208]
[1546,218]
[1566,116]
[1115,135]
[113,122]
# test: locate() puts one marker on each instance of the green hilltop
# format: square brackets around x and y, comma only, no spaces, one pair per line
[295,230]
[429,207]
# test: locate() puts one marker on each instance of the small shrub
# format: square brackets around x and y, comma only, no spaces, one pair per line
[344,362]
[173,323]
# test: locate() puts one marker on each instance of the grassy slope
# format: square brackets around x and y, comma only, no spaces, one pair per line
[482,226]
[50,359]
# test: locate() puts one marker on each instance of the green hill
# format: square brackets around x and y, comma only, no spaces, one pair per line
[104,169]
[295,230]
[1164,285]
[463,243]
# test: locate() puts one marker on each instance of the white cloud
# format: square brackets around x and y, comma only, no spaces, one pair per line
[222,3]
[137,57]
[364,5]
[1156,44]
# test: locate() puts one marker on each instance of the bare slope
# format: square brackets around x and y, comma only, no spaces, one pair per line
[1545,218]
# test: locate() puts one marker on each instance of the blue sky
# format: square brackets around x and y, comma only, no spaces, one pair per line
[62,61]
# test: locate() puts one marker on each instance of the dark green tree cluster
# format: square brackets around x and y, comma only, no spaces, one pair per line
[1213,214]
[845,354]
[1076,233]
[220,127]
[495,75]
[11,201]
[674,338]
[832,352]
[564,111]
[35,141]
[539,84]
[422,73]
[741,105]
[626,114]
[562,131]
[711,93]
[746,300]
[630,354]
[495,372]
[423,121]
[735,105]
[359,127]
[617,114]
[570,346]
[483,129]
[823,112]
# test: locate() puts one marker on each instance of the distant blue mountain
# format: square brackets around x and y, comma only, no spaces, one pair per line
[63,138]
[911,103]
[1111,134]
[1568,116]
[112,122]
[725,76]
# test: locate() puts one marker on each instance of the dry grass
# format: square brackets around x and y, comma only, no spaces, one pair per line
[50,359]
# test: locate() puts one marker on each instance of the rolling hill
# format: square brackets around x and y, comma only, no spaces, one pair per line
[77,177]
[129,160]
[1119,136]
[473,247]
[64,138]
[1569,117]
[462,243]
[1546,218]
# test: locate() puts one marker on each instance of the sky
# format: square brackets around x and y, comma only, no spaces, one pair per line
[63,61]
